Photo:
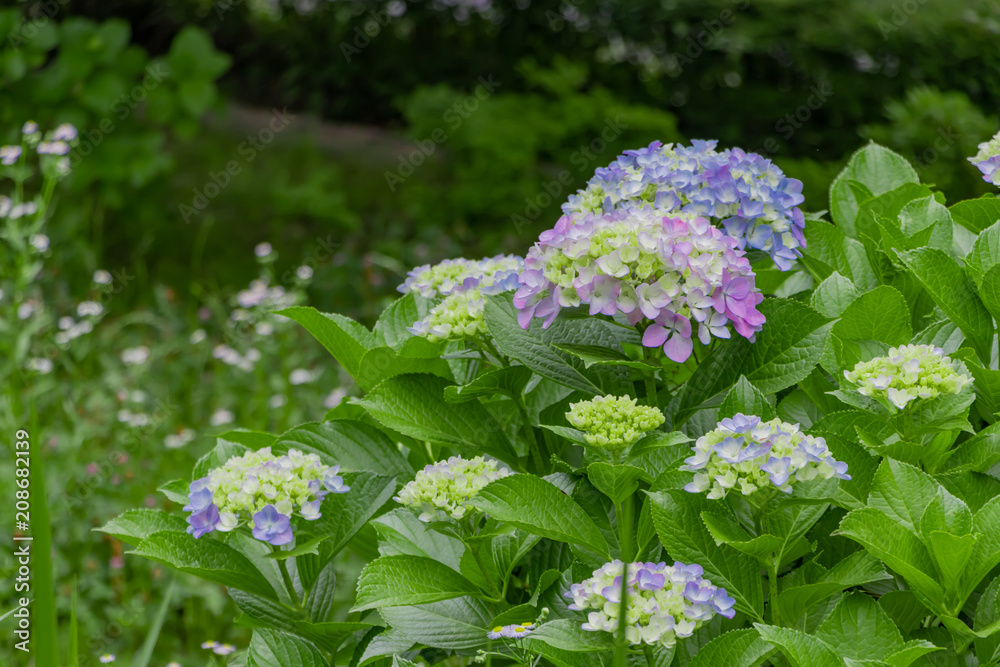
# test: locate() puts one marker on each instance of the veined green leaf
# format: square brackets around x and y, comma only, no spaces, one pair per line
[395,581]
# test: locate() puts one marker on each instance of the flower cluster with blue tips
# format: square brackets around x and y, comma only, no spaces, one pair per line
[748,454]
[987,160]
[743,192]
[663,602]
[264,491]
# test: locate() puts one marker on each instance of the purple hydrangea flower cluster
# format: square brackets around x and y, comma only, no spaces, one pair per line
[492,275]
[747,194]
[264,491]
[676,270]
[663,602]
[749,454]
[987,160]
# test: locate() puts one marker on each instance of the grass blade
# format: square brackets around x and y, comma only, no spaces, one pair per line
[73,655]
[45,637]
[145,654]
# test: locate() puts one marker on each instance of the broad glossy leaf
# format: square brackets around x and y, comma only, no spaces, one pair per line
[134,526]
[833,295]
[677,517]
[272,647]
[737,648]
[401,532]
[979,453]
[781,356]
[746,398]
[567,635]
[985,254]
[537,506]
[878,169]
[342,337]
[510,381]
[948,286]
[830,250]
[879,315]
[352,445]
[617,482]
[988,617]
[414,405]
[989,291]
[859,629]
[205,558]
[457,624]
[977,214]
[395,581]
[801,649]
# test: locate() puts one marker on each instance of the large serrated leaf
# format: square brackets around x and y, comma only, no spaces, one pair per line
[538,507]
[977,214]
[801,649]
[395,581]
[136,525]
[451,624]
[269,648]
[414,405]
[878,169]
[342,337]
[737,648]
[352,445]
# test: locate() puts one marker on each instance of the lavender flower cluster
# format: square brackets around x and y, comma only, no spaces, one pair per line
[749,454]
[987,160]
[675,270]
[663,602]
[262,490]
[747,194]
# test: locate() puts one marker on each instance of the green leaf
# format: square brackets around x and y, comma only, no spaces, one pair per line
[382,362]
[450,624]
[904,609]
[898,548]
[392,329]
[566,634]
[911,651]
[414,405]
[677,517]
[395,581]
[801,649]
[830,250]
[976,214]
[833,295]
[617,482]
[746,398]
[860,630]
[176,490]
[988,616]
[947,285]
[401,532]
[134,526]
[989,291]
[510,381]
[878,169]
[253,440]
[205,558]
[531,347]
[272,647]
[879,315]
[781,356]
[979,453]
[594,355]
[986,552]
[655,440]
[902,492]
[737,648]
[352,445]
[794,601]
[538,507]
[985,254]
[926,222]
[342,337]
[888,207]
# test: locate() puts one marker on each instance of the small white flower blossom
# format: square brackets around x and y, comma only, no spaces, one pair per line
[88,308]
[102,277]
[40,365]
[304,272]
[197,336]
[221,417]
[517,631]
[334,398]
[262,250]
[39,242]
[135,356]
[300,376]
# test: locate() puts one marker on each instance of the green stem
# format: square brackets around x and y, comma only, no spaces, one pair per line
[772,581]
[651,398]
[486,575]
[288,581]
[623,515]
[533,445]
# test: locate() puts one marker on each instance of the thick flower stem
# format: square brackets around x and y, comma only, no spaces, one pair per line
[651,399]
[623,516]
[772,581]
[288,580]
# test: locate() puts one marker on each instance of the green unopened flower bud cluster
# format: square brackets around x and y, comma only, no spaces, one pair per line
[613,422]
[443,489]
[908,373]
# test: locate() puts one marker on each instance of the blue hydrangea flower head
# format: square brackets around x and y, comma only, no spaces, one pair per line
[746,194]
[987,160]
[747,454]
[665,602]
[263,491]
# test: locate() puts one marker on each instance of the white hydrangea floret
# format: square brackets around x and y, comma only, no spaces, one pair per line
[908,373]
[443,489]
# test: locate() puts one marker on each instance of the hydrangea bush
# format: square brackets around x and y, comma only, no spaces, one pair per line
[529,444]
